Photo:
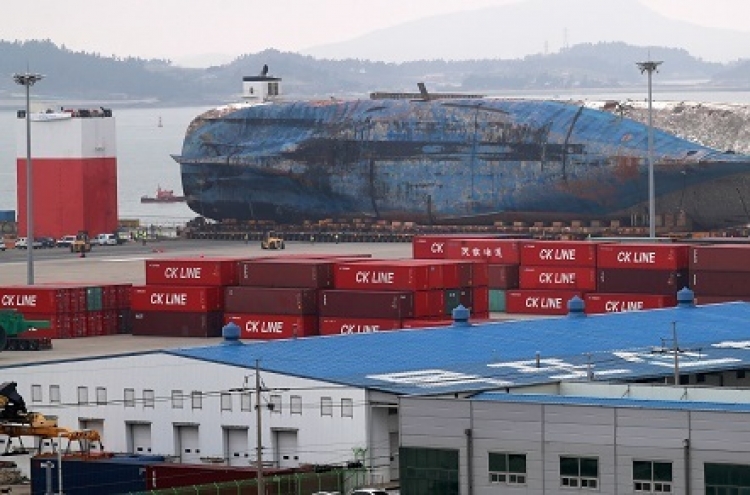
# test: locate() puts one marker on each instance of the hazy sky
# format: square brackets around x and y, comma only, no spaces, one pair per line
[192,32]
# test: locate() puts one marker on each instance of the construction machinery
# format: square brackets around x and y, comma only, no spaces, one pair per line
[17,333]
[17,422]
[82,244]
[271,240]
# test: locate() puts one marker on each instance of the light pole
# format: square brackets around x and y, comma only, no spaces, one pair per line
[27,79]
[650,67]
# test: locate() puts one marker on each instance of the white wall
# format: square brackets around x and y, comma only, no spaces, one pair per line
[90,137]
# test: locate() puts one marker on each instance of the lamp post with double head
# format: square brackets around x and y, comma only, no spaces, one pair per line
[650,67]
[28,80]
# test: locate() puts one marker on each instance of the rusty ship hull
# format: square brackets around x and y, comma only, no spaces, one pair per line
[449,161]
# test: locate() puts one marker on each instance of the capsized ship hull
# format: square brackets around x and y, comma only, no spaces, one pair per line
[449,161]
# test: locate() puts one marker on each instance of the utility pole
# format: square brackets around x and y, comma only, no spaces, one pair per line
[650,67]
[676,350]
[259,432]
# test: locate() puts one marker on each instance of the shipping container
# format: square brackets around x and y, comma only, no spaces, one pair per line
[498,251]
[554,277]
[643,256]
[169,475]
[387,275]
[539,302]
[720,283]
[35,299]
[390,305]
[641,281]
[597,303]
[187,299]
[502,276]
[257,326]
[497,301]
[558,253]
[82,476]
[426,323]
[177,323]
[338,325]
[720,258]
[292,273]
[480,274]
[433,246]
[193,271]
[283,301]
[480,301]
[124,321]
[456,297]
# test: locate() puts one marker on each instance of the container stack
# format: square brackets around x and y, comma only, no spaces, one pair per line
[637,276]
[720,273]
[183,297]
[277,298]
[550,274]
[73,311]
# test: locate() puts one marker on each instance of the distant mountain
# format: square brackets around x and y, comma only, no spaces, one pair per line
[537,27]
[90,76]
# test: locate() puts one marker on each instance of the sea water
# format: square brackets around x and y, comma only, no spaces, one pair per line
[146,137]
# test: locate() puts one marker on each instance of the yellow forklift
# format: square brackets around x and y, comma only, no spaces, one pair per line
[271,240]
[82,244]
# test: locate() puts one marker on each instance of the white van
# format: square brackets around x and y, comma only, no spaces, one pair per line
[106,240]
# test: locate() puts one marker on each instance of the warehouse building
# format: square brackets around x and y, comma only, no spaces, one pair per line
[341,399]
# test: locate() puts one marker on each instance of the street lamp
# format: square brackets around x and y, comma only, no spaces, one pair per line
[27,79]
[650,67]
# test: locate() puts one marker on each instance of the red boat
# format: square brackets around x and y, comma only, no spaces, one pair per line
[163,196]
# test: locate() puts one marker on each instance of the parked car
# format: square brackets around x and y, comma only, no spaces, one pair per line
[23,243]
[106,240]
[47,242]
[369,491]
[66,241]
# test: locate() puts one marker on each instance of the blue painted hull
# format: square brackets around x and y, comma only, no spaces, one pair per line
[448,161]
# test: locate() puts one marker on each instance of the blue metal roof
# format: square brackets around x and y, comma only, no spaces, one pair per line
[613,402]
[488,356]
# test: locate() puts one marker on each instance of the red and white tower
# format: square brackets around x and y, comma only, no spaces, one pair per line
[74,172]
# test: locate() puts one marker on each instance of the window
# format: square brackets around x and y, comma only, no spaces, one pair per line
[579,472]
[245,402]
[740,374]
[326,406]
[54,394]
[101,396]
[700,378]
[428,471]
[275,404]
[149,398]
[295,404]
[652,477]
[83,395]
[129,397]
[226,401]
[177,399]
[36,393]
[509,469]
[196,399]
[347,408]
[726,479]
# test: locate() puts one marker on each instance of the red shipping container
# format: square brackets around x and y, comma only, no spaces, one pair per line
[164,475]
[79,324]
[177,323]
[338,325]
[554,277]
[480,300]
[539,302]
[293,273]
[433,246]
[110,322]
[389,305]
[720,283]
[499,251]
[643,256]
[480,274]
[502,276]
[94,323]
[426,323]
[181,298]
[558,253]
[640,281]
[700,300]
[123,296]
[203,271]
[383,275]
[35,299]
[428,303]
[59,325]
[617,303]
[272,327]
[720,258]
[283,301]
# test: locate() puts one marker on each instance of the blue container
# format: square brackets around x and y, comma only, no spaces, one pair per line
[7,215]
[119,474]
